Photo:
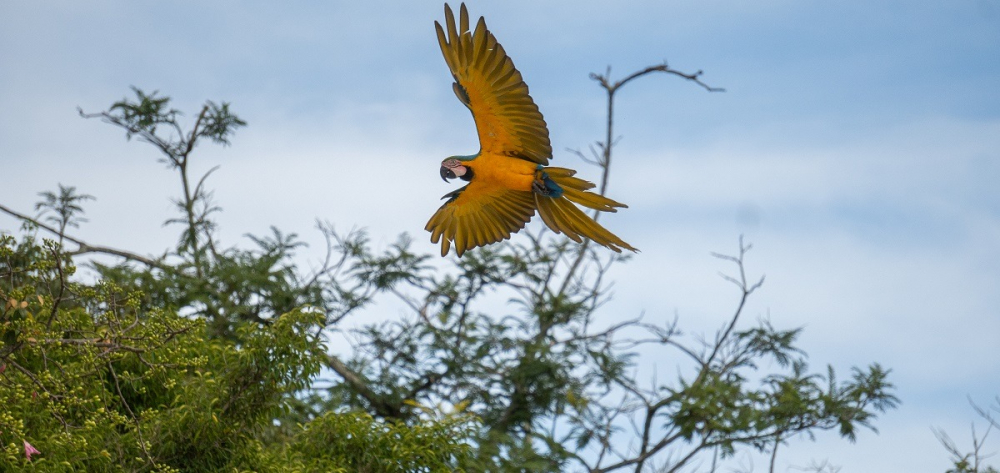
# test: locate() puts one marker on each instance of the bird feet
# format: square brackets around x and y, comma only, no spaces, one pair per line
[539,188]
[544,185]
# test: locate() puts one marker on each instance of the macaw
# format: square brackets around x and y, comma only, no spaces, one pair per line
[509,178]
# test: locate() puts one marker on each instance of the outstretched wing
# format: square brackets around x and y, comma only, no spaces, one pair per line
[507,120]
[479,214]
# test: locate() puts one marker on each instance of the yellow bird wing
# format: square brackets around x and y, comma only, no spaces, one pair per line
[479,214]
[507,120]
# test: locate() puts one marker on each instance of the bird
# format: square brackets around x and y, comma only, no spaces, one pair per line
[509,179]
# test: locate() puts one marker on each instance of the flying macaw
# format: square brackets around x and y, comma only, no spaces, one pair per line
[509,178]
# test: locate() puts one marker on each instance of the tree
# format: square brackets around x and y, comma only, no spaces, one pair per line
[549,387]
[92,381]
[972,461]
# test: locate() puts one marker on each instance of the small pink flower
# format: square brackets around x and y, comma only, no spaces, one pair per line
[29,450]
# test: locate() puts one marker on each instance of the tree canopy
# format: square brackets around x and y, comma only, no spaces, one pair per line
[206,358]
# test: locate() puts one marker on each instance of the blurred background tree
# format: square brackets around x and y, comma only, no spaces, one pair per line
[204,358]
[974,460]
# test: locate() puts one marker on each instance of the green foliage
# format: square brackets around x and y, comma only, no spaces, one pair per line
[549,387]
[96,382]
[80,363]
[964,465]
[973,460]
[542,383]
[66,205]
[144,115]
[384,447]
[215,420]
[233,288]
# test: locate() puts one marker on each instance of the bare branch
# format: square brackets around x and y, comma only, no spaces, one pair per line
[85,247]
[379,404]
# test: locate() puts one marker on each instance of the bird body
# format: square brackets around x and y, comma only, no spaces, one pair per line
[513,173]
[509,179]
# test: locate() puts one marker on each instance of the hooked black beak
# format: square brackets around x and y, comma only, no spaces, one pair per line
[447,174]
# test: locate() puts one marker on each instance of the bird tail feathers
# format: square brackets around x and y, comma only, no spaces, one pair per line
[563,217]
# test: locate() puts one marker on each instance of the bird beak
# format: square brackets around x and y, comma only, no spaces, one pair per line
[447,174]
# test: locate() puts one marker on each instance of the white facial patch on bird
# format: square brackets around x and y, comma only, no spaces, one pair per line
[455,166]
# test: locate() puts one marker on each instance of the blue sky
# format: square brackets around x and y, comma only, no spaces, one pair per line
[857,146]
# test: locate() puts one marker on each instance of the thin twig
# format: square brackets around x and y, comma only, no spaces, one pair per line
[62,288]
[135,419]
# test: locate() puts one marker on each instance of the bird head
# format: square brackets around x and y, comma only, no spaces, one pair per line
[452,168]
